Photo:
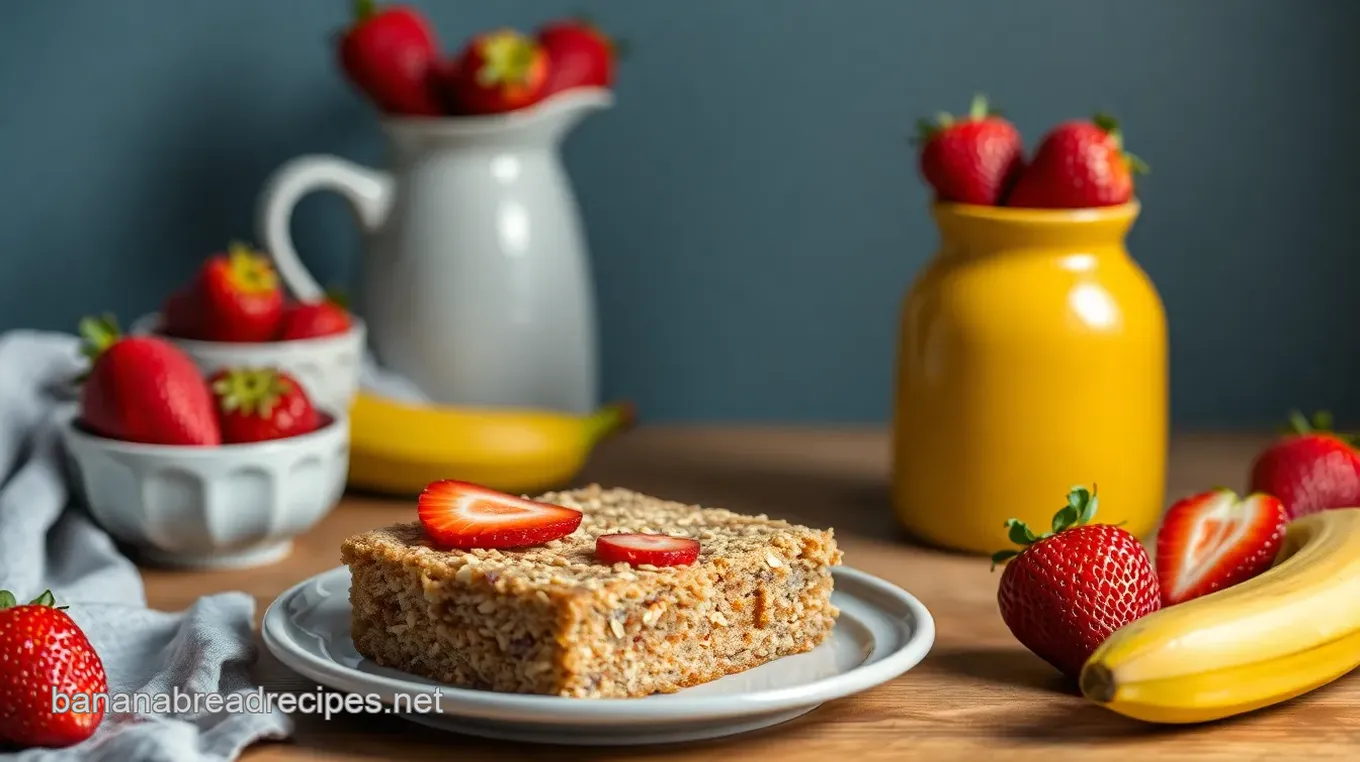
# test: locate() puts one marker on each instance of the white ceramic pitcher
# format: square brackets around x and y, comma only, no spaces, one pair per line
[475,282]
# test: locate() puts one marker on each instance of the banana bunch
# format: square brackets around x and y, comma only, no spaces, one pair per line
[398,448]
[1283,633]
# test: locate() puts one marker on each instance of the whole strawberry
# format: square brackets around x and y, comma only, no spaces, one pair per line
[143,389]
[581,56]
[1311,469]
[43,657]
[390,55]
[498,71]
[972,160]
[1079,164]
[239,296]
[1070,588]
[260,404]
[310,320]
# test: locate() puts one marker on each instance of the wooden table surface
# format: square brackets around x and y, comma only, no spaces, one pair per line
[977,695]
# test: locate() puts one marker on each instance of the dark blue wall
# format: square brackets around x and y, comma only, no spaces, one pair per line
[751,202]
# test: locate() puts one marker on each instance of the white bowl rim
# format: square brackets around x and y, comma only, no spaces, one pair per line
[338,426]
[149,321]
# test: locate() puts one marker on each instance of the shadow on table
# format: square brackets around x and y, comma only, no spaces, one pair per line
[1067,716]
[1013,667]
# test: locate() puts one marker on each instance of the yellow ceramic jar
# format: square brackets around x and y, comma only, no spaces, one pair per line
[1032,358]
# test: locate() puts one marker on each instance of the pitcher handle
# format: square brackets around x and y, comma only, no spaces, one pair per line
[368,191]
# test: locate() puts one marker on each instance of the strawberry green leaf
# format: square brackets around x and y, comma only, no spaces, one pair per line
[1066,517]
[45,599]
[1083,502]
[1089,512]
[1298,423]
[1110,126]
[7,600]
[1322,421]
[1136,165]
[1078,496]
[1002,556]
[250,391]
[926,130]
[338,297]
[1105,122]
[1019,533]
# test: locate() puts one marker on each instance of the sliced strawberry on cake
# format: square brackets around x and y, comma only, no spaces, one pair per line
[1215,540]
[465,516]
[654,549]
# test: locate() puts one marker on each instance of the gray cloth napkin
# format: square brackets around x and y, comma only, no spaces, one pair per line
[45,543]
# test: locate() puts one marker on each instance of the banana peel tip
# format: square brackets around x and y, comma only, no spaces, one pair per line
[1097,683]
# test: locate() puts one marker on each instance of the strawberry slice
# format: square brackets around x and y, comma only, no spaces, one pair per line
[654,549]
[1214,540]
[460,515]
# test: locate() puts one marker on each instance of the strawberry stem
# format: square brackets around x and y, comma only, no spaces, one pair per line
[1320,423]
[509,58]
[978,108]
[99,334]
[250,391]
[7,600]
[364,10]
[250,270]
[1080,509]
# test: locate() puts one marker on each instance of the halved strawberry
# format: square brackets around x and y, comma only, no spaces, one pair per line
[461,515]
[654,549]
[1214,540]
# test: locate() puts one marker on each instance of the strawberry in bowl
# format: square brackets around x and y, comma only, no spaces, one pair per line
[234,313]
[260,404]
[200,472]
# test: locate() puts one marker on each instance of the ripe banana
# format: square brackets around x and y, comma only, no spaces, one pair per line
[1294,628]
[398,448]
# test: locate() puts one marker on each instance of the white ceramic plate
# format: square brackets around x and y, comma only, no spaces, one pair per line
[882,632]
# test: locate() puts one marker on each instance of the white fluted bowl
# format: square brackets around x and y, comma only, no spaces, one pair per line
[211,507]
[327,366]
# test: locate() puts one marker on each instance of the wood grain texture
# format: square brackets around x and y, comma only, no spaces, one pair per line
[977,696]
